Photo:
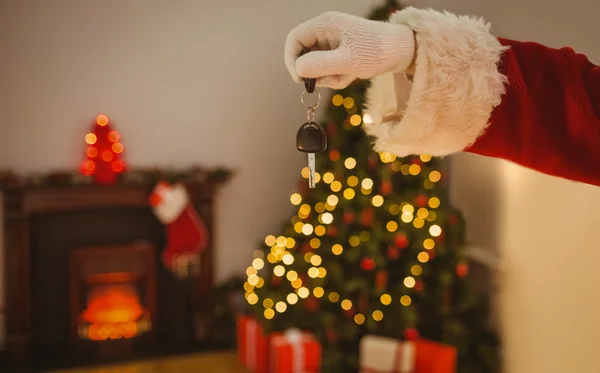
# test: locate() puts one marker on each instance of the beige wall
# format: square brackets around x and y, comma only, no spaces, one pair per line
[186,82]
[546,229]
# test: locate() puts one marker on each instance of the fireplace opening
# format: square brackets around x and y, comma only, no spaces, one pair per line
[112,293]
[113,309]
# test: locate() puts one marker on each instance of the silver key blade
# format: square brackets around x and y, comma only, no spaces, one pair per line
[311,171]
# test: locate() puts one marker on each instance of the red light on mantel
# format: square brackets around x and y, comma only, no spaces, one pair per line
[103,141]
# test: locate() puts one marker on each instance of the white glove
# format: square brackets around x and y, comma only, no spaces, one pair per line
[348,47]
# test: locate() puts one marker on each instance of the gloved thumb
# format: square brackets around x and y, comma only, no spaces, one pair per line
[318,64]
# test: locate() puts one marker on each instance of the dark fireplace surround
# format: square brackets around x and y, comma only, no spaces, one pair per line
[63,242]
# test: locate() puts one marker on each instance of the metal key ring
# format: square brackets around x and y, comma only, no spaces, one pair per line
[310,115]
[311,106]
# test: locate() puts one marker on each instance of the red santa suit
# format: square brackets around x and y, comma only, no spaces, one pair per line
[519,101]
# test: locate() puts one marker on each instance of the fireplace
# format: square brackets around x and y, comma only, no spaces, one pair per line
[112,294]
[84,279]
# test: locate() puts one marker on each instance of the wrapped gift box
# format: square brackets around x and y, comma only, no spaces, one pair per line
[295,351]
[388,355]
[253,345]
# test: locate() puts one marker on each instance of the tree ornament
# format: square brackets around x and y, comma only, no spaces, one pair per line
[363,302]
[348,217]
[419,286]
[411,334]
[331,334]
[332,231]
[187,235]
[386,187]
[331,129]
[372,161]
[366,217]
[276,280]
[421,200]
[381,279]
[393,253]
[367,264]
[312,304]
[103,154]
[401,241]
[462,269]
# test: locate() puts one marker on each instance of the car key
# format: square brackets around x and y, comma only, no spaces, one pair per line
[311,137]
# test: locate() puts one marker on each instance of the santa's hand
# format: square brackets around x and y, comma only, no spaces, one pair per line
[348,47]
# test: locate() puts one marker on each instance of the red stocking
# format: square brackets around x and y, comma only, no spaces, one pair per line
[187,235]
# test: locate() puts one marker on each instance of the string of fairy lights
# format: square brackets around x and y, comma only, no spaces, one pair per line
[280,247]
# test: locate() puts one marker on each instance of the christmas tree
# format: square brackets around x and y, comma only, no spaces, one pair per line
[103,153]
[375,248]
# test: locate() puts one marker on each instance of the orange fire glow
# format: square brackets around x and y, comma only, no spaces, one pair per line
[114,311]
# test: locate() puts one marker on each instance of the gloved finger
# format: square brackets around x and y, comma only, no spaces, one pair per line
[335,81]
[304,36]
[318,64]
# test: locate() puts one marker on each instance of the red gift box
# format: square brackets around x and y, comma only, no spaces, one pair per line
[253,345]
[434,357]
[387,355]
[295,351]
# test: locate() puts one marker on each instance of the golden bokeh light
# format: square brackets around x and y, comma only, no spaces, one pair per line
[252,298]
[377,315]
[434,202]
[414,169]
[320,230]
[355,120]
[419,223]
[348,102]
[337,249]
[291,275]
[102,120]
[292,298]
[425,158]
[315,243]
[405,300]
[287,259]
[318,292]
[409,282]
[337,100]
[429,243]
[435,176]
[307,229]
[281,307]
[268,303]
[386,299]
[278,271]
[391,226]
[367,183]
[423,257]
[350,163]
[349,193]
[346,304]
[322,272]
[352,181]
[303,292]
[435,230]
[90,139]
[354,241]
[296,199]
[377,200]
[316,260]
[416,270]
[334,297]
[269,313]
[359,319]
[327,218]
[336,186]
[313,272]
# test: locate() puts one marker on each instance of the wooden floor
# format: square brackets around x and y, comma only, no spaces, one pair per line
[219,362]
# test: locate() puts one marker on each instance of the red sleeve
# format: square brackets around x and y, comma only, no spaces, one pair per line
[549,117]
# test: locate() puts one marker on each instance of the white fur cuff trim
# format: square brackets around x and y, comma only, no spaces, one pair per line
[454,91]
[172,205]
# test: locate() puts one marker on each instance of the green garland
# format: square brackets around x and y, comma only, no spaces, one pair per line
[141,176]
